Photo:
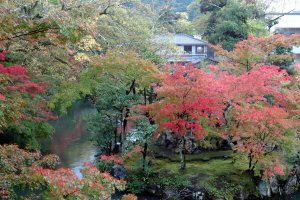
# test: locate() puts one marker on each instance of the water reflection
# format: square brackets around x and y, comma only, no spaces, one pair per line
[70,140]
[295,196]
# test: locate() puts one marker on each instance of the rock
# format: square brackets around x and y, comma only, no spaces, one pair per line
[190,146]
[197,150]
[225,145]
[240,196]
[264,189]
[191,193]
[156,190]
[198,195]
[118,172]
[242,193]
[298,156]
[270,147]
[170,140]
[171,194]
[291,185]
[274,185]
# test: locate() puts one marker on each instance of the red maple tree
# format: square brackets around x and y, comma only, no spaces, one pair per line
[186,100]
[252,110]
[258,109]
[19,96]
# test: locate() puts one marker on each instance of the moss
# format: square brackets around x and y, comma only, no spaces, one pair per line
[220,178]
[218,173]
[206,156]
[130,163]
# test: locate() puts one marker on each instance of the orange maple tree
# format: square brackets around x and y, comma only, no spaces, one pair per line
[254,51]
[258,109]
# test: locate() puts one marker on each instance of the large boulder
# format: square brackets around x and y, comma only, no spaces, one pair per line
[264,189]
[190,146]
[156,190]
[274,185]
[118,172]
[171,194]
[191,193]
[291,184]
[169,140]
[242,193]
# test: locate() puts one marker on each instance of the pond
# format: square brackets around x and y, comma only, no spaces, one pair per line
[295,196]
[71,142]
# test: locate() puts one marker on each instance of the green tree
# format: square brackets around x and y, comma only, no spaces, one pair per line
[142,135]
[286,64]
[112,103]
[55,39]
[103,128]
[229,21]
[133,73]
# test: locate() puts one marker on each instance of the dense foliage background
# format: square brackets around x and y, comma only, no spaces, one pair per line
[244,107]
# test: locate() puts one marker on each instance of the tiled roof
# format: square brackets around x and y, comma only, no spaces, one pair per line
[179,39]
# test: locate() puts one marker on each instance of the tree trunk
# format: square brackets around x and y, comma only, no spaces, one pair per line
[268,183]
[145,155]
[250,160]
[182,154]
[127,111]
[124,126]
[116,148]
[121,134]
[110,148]
[145,96]
[116,132]
[226,113]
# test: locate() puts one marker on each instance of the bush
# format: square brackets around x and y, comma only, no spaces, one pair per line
[103,165]
[129,197]
[136,184]
[50,161]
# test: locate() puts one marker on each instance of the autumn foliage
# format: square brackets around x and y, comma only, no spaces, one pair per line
[251,110]
[129,197]
[64,183]
[254,51]
[15,168]
[19,96]
[22,168]
[260,108]
[273,170]
[186,99]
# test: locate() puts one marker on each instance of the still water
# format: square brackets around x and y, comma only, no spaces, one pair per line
[295,196]
[71,142]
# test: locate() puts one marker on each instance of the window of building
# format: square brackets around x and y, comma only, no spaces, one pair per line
[187,49]
[200,49]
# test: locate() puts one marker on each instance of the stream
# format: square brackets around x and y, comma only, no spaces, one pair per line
[71,142]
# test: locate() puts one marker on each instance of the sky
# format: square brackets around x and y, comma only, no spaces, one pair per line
[286,6]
